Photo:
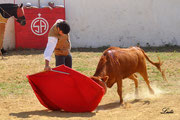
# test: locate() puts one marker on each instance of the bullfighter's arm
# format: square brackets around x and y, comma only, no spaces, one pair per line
[52,41]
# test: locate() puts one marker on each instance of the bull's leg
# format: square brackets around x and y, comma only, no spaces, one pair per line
[145,76]
[119,90]
[134,78]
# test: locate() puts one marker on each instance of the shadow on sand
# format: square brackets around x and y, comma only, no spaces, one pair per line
[64,114]
[108,106]
[49,113]
[117,104]
[143,102]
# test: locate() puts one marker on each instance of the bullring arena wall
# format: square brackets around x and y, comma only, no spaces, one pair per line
[97,23]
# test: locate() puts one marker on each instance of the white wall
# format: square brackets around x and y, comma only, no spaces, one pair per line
[96,23]
[124,23]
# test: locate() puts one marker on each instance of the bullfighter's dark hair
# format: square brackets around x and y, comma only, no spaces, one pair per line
[64,26]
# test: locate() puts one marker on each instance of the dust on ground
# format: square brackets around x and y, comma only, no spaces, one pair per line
[164,105]
[147,107]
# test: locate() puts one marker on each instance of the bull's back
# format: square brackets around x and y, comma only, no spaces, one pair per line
[122,61]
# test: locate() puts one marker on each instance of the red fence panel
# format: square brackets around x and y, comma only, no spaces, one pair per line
[38,22]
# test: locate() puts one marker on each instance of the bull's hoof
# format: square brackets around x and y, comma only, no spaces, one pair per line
[152,92]
[137,97]
[121,102]
[126,105]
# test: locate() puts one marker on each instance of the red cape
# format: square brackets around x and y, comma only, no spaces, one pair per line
[67,89]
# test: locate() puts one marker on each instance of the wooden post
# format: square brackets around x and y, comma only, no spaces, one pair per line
[39,3]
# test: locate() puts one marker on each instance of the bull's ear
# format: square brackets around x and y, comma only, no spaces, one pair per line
[21,5]
[105,78]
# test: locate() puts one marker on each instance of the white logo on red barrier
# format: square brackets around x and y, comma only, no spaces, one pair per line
[39,25]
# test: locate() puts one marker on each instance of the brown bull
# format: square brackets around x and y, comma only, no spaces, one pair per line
[117,64]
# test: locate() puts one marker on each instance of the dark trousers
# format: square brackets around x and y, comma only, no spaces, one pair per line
[66,60]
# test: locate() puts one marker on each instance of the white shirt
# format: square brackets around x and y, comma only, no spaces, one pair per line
[52,41]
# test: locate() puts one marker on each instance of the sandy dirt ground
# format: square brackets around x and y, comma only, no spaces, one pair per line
[161,106]
[164,105]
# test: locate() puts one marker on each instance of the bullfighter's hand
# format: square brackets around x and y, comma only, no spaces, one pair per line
[47,68]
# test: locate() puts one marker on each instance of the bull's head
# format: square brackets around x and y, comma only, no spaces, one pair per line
[110,82]
[101,81]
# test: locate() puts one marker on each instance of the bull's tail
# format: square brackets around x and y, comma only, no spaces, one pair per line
[157,64]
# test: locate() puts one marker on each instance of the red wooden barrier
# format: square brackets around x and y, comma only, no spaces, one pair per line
[38,22]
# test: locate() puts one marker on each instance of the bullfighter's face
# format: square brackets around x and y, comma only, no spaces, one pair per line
[60,32]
